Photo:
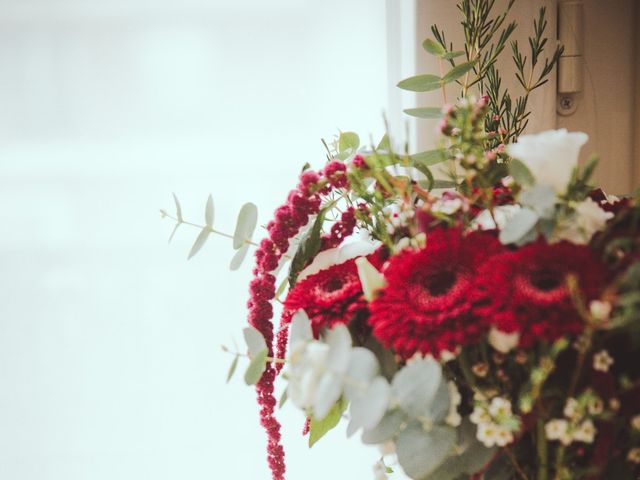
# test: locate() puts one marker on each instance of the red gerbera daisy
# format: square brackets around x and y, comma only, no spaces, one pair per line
[425,307]
[526,290]
[331,296]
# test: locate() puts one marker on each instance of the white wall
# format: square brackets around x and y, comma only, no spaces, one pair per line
[110,366]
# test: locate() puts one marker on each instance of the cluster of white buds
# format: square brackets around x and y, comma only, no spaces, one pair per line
[496,422]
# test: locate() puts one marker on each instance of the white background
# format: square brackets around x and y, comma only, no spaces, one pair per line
[110,360]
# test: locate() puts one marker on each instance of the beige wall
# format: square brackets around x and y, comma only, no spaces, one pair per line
[608,109]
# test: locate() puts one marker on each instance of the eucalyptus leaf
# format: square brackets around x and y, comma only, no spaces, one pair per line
[238,258]
[457,71]
[415,386]
[256,367]
[173,232]
[369,406]
[319,428]
[200,241]
[232,368]
[424,112]
[178,208]
[254,340]
[541,199]
[421,83]
[519,226]
[428,158]
[385,430]
[434,48]
[520,173]
[420,452]
[246,224]
[348,142]
[208,212]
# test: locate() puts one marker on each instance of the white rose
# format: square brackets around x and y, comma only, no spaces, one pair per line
[589,219]
[551,156]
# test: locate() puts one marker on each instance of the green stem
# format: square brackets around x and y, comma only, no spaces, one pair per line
[542,451]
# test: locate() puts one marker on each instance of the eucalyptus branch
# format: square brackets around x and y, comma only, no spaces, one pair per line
[178,221]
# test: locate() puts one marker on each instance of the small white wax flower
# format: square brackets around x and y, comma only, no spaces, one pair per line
[487,434]
[586,432]
[571,409]
[600,310]
[502,341]
[551,156]
[480,415]
[595,406]
[504,437]
[602,361]
[635,422]
[500,408]
[589,219]
[556,429]
[634,455]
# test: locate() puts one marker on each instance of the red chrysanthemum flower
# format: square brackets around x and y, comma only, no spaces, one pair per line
[331,296]
[526,290]
[425,307]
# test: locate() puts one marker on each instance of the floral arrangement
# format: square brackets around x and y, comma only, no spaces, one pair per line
[484,326]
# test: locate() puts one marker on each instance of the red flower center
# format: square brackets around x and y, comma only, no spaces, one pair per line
[545,280]
[440,283]
[333,284]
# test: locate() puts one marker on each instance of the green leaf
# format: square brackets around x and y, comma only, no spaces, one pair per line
[520,173]
[208,212]
[178,208]
[238,257]
[424,112]
[457,71]
[444,184]
[245,225]
[309,247]
[384,143]
[256,367]
[283,398]
[451,55]
[348,142]
[200,241]
[232,368]
[421,83]
[254,339]
[434,48]
[428,158]
[420,452]
[281,288]
[318,429]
